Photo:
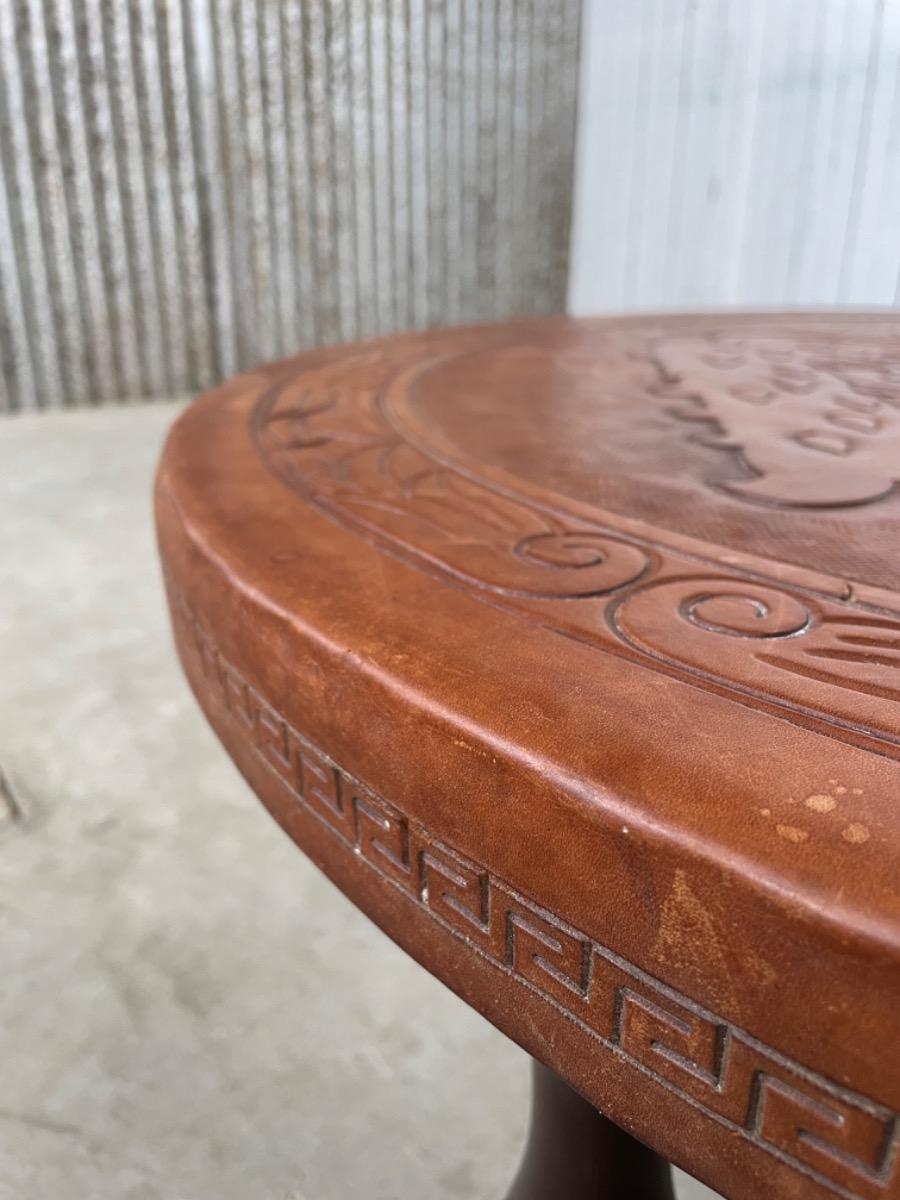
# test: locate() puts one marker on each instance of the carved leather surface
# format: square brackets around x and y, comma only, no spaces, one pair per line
[570,650]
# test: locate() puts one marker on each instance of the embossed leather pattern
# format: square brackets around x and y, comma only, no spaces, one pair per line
[599,621]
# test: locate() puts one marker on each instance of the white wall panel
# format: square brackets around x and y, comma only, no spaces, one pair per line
[737,153]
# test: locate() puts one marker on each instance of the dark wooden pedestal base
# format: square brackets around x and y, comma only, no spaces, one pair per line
[574,1153]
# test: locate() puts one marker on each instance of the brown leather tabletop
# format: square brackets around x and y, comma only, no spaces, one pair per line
[570,650]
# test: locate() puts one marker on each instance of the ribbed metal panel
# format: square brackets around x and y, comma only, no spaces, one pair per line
[191,186]
[738,152]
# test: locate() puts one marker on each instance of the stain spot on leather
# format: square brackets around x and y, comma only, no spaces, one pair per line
[685,927]
[821,802]
[855,834]
[688,932]
[791,833]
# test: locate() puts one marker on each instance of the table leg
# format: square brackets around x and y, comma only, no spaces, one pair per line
[575,1153]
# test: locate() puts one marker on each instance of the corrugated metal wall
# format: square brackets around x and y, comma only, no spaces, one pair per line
[191,186]
[742,152]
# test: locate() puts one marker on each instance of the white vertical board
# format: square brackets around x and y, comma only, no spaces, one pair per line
[737,154]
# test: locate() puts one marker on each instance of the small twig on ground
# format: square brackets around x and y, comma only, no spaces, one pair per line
[10,808]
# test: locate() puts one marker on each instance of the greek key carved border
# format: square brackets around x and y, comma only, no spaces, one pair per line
[831,1134]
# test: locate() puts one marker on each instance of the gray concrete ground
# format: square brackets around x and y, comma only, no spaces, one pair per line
[181,1016]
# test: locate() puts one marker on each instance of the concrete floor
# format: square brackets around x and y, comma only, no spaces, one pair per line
[180,1016]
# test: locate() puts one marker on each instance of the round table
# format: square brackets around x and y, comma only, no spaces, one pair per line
[570,651]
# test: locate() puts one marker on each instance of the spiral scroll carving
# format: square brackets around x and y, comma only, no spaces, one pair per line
[746,613]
